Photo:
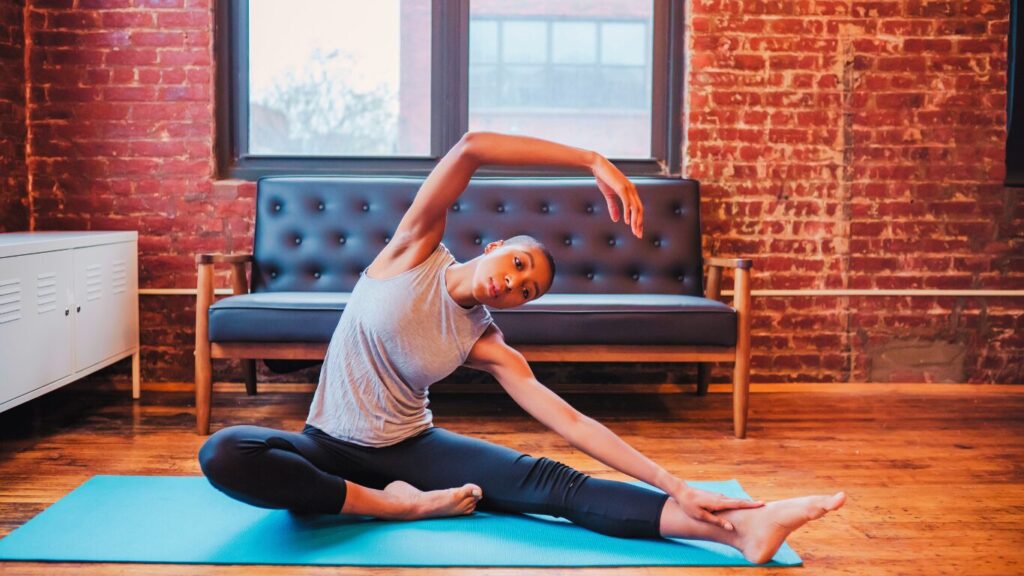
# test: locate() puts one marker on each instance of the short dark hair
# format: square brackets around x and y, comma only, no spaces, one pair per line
[527,240]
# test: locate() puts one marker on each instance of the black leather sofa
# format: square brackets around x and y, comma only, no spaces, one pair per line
[614,298]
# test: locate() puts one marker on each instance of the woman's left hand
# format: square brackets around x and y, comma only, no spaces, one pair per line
[614,185]
[702,505]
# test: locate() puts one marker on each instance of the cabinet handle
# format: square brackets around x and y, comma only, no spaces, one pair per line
[66,311]
[78,308]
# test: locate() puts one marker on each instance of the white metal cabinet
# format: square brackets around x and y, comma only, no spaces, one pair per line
[35,321]
[106,302]
[68,307]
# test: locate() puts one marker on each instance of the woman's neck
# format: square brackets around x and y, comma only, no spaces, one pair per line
[458,278]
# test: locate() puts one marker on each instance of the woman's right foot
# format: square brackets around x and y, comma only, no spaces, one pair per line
[761,531]
[435,503]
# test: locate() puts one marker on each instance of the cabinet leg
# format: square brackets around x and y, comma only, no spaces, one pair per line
[136,376]
[703,377]
[249,371]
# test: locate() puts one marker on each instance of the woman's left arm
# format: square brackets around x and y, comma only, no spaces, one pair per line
[491,354]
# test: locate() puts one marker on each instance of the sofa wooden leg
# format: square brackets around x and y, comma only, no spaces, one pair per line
[204,392]
[249,371]
[204,369]
[741,371]
[740,396]
[703,377]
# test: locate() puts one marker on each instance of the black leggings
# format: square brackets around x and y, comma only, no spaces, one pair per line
[306,472]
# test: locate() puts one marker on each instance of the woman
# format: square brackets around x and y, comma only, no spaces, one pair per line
[415,315]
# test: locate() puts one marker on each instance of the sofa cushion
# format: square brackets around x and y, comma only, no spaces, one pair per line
[277,317]
[619,319]
[551,319]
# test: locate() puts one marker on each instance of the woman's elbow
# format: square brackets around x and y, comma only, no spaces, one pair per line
[472,144]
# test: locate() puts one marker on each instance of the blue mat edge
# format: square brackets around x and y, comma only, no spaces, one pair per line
[785,550]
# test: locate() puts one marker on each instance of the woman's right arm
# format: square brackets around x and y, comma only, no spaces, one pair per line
[425,219]
[422,227]
[504,149]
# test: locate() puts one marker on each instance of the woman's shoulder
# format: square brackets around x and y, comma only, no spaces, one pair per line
[400,257]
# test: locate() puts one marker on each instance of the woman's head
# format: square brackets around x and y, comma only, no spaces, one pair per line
[512,272]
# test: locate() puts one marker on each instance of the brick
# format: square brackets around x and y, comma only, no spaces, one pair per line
[980,46]
[131,57]
[183,19]
[128,19]
[158,39]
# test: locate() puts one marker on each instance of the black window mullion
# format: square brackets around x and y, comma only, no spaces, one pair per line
[241,78]
[660,68]
[674,73]
[449,81]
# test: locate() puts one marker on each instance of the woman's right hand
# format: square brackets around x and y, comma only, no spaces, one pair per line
[705,506]
[614,185]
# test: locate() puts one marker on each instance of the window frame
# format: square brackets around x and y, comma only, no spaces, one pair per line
[449,85]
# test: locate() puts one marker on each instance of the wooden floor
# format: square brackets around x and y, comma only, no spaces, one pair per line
[935,474]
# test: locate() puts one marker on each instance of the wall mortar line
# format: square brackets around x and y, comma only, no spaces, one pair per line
[27,63]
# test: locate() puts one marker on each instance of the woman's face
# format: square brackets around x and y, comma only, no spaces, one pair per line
[510,275]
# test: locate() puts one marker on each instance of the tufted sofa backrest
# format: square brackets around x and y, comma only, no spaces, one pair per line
[319,233]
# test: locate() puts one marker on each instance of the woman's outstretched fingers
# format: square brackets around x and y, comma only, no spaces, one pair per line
[734,503]
[609,198]
[613,208]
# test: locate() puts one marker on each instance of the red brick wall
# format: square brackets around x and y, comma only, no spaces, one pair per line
[860,145]
[842,144]
[13,189]
[121,127]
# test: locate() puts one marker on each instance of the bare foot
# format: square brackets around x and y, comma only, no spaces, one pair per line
[761,531]
[435,503]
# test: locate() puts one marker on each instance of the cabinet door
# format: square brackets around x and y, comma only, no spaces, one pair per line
[35,327]
[106,302]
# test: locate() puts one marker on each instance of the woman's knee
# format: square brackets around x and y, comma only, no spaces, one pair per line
[222,454]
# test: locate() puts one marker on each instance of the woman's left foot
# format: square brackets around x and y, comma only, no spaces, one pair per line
[761,531]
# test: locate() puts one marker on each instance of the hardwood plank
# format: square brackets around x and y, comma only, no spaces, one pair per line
[935,473]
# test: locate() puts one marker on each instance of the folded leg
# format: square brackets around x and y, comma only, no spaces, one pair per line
[277,469]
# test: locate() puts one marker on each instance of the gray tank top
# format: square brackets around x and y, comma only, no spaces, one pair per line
[396,337]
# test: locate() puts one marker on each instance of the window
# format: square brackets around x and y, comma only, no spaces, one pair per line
[387,87]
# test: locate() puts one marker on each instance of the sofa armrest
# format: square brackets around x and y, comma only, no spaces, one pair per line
[204,298]
[741,302]
[239,284]
[741,266]
[217,258]
[731,262]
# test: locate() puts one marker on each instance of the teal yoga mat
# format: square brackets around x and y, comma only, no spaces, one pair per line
[183,520]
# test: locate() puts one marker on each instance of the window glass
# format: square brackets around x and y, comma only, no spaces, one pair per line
[623,43]
[574,42]
[524,41]
[575,73]
[483,41]
[339,77]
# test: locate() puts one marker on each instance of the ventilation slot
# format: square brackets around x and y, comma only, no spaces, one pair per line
[46,293]
[93,282]
[10,300]
[120,276]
